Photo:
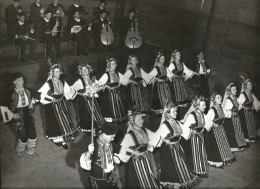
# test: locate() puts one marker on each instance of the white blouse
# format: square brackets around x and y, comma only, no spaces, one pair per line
[122,79]
[187,72]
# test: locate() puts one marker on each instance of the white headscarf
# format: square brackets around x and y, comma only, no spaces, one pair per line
[195,103]
[227,93]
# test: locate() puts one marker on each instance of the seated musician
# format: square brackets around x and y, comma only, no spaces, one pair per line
[54,6]
[97,27]
[35,14]
[24,34]
[76,7]
[79,32]
[11,16]
[49,30]
[102,5]
[126,24]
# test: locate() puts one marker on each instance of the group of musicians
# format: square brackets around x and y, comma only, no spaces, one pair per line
[49,25]
[228,126]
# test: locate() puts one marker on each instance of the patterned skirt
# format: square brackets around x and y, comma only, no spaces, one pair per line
[135,96]
[139,174]
[117,109]
[235,136]
[248,123]
[174,170]
[85,114]
[178,90]
[161,95]
[196,155]
[59,126]
[217,147]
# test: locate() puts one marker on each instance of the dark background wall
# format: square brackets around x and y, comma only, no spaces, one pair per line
[228,30]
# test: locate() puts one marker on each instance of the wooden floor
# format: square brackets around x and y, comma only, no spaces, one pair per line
[59,168]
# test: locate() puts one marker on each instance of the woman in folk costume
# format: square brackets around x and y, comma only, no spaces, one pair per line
[174,170]
[216,142]
[19,103]
[86,87]
[179,73]
[194,148]
[232,124]
[139,79]
[248,103]
[135,147]
[161,92]
[112,81]
[59,126]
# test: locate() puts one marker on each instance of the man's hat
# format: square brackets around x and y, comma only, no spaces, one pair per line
[109,128]
[20,14]
[17,75]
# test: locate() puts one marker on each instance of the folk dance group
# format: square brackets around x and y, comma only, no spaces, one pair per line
[187,146]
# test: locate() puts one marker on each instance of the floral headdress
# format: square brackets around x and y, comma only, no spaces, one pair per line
[244,83]
[159,55]
[53,65]
[195,104]
[173,55]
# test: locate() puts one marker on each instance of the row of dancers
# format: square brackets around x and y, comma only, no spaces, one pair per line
[227,126]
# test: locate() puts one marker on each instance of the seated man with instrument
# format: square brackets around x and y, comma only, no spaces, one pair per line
[127,23]
[79,32]
[102,5]
[24,34]
[76,7]
[101,29]
[49,30]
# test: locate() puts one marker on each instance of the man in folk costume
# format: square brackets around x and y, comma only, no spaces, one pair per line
[19,102]
[248,103]
[100,158]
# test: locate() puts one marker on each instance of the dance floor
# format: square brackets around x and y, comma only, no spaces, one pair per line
[59,168]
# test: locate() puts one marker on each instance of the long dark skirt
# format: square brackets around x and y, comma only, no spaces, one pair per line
[217,147]
[139,174]
[59,126]
[174,171]
[248,123]
[234,133]
[85,114]
[161,95]
[135,96]
[195,154]
[178,90]
[112,105]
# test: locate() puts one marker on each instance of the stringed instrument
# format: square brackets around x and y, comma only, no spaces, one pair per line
[133,38]
[107,36]
[77,28]
[24,37]
[6,114]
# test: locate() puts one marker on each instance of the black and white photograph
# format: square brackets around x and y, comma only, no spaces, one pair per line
[130,94]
